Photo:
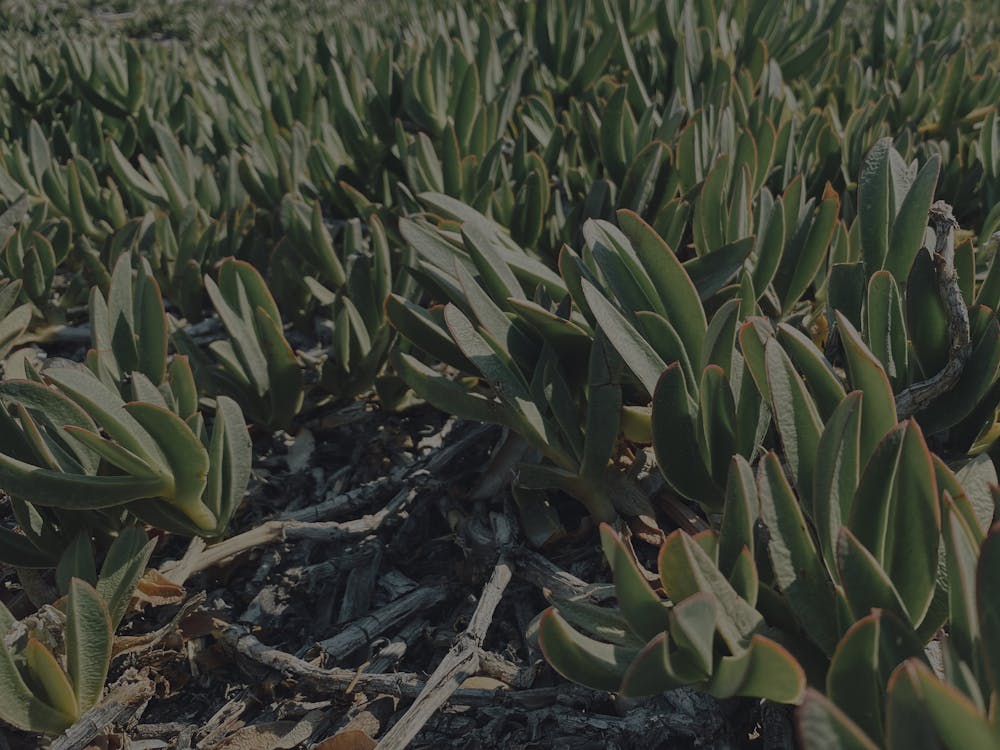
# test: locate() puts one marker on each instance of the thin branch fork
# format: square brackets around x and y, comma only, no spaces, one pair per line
[464,657]
[462,662]
[319,683]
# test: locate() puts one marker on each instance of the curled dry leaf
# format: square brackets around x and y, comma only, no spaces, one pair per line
[156,589]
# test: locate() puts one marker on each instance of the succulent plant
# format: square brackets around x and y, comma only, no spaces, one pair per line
[72,443]
[45,692]
[255,364]
[727,235]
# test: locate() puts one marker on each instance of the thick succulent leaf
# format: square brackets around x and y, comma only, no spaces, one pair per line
[604,623]
[823,383]
[878,414]
[130,177]
[55,685]
[720,337]
[837,474]
[113,453]
[846,290]
[567,337]
[581,659]
[961,551]
[515,343]
[952,717]
[644,611]
[604,413]
[652,670]
[237,317]
[710,272]
[739,513]
[911,221]
[988,599]
[12,325]
[876,204]
[236,273]
[692,627]
[445,394]
[798,568]
[884,327]
[420,327]
[685,570]
[88,642]
[795,414]
[823,726]
[753,337]
[58,489]
[151,328]
[54,408]
[673,286]
[716,422]
[237,455]
[896,515]
[638,355]
[508,384]
[620,267]
[866,585]
[108,410]
[666,343]
[122,568]
[807,253]
[675,441]
[76,561]
[186,456]
[770,243]
[284,373]
[480,238]
[183,386]
[861,666]
[764,670]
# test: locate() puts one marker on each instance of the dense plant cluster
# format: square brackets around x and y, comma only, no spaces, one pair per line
[753,241]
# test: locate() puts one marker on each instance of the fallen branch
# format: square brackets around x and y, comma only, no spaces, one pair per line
[319,683]
[401,480]
[128,695]
[552,580]
[919,395]
[198,557]
[360,632]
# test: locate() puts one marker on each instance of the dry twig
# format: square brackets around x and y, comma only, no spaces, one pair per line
[131,692]
[463,659]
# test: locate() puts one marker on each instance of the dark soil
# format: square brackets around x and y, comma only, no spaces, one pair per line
[293,596]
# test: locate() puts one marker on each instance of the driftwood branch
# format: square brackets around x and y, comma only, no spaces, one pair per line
[919,395]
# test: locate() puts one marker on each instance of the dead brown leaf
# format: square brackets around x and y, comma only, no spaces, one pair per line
[156,589]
